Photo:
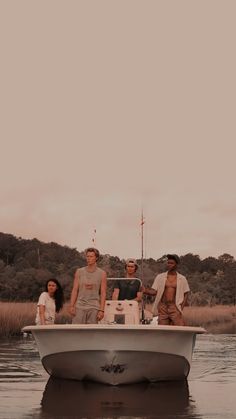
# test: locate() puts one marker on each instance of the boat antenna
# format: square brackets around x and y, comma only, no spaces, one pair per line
[94,237]
[142,224]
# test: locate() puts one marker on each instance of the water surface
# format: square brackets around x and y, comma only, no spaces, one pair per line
[27,392]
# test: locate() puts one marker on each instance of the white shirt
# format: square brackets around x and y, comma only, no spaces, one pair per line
[50,308]
[159,285]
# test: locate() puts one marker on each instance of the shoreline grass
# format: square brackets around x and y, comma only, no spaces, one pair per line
[216,319]
[205,315]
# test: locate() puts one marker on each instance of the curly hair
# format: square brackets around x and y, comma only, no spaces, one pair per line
[58,295]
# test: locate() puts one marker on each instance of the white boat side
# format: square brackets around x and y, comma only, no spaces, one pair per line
[116,353]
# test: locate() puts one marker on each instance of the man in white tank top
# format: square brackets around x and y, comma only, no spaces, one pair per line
[88,295]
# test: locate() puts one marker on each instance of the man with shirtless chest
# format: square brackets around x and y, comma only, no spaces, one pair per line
[171,290]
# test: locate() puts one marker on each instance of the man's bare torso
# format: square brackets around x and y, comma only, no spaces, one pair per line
[170,288]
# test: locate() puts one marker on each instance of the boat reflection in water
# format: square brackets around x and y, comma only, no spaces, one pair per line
[66,398]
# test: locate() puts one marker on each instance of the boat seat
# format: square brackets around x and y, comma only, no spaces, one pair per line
[121,312]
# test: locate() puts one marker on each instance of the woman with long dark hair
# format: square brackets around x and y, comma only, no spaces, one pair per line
[50,302]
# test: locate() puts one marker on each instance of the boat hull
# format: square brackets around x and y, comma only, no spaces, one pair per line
[118,354]
[116,367]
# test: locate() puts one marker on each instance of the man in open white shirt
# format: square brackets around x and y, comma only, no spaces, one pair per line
[171,290]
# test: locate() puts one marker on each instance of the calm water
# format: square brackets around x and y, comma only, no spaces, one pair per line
[27,392]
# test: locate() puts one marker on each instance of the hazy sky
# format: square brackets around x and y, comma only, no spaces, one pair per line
[111,106]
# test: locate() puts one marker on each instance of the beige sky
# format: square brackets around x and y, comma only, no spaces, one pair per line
[111,106]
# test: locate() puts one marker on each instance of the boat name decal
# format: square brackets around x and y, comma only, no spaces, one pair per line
[115,368]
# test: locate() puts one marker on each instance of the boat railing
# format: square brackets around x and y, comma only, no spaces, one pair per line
[110,284]
[144,318]
[122,311]
[123,279]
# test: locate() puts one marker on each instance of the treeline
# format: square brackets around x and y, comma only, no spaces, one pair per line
[25,265]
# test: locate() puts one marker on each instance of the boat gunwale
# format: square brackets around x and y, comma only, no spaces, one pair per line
[118,327]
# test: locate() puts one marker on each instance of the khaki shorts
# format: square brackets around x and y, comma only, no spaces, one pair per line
[169,315]
[88,316]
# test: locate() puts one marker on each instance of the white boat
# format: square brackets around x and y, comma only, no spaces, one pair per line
[118,351]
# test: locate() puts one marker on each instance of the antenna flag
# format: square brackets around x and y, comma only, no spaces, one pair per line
[94,236]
